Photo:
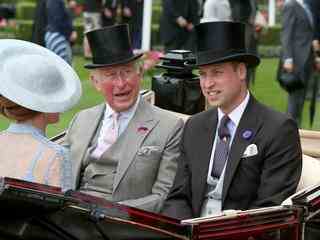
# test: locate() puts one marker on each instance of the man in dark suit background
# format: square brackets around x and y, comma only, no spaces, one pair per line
[297,37]
[133,15]
[177,22]
[245,11]
[240,154]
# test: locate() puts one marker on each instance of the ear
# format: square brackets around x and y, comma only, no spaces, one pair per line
[94,80]
[140,71]
[242,71]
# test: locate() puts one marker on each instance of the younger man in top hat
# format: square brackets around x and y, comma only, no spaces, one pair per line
[239,154]
[124,150]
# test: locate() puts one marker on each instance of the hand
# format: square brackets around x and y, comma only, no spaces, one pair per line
[127,12]
[258,28]
[182,22]
[288,67]
[72,4]
[316,45]
[107,13]
[73,36]
[190,27]
[317,64]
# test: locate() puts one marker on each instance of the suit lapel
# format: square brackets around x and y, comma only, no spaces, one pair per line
[249,122]
[87,133]
[205,144]
[132,138]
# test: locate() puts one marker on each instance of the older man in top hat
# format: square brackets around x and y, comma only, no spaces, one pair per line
[124,150]
[240,154]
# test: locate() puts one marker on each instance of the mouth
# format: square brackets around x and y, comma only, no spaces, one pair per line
[213,93]
[122,94]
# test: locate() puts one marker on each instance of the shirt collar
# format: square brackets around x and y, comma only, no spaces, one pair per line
[125,114]
[236,114]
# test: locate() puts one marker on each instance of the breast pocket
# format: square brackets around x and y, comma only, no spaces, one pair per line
[148,151]
[147,160]
[250,166]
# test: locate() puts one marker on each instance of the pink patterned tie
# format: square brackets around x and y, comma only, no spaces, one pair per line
[107,137]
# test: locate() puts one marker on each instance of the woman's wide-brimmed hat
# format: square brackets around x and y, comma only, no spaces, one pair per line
[36,78]
[110,46]
[221,42]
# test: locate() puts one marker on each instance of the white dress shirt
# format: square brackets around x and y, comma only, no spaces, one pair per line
[212,205]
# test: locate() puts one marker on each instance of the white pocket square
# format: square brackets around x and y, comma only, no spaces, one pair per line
[145,150]
[250,151]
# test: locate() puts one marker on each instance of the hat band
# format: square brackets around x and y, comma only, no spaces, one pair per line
[214,55]
[109,59]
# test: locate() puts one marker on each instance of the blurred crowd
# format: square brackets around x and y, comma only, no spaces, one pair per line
[300,33]
[176,23]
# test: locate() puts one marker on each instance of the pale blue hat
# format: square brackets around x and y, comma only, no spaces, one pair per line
[36,78]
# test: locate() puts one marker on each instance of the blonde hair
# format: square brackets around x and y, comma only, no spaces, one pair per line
[14,111]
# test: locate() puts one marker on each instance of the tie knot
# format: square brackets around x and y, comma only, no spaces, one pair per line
[115,116]
[223,130]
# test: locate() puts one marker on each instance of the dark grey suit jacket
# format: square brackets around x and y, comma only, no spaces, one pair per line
[265,179]
[296,38]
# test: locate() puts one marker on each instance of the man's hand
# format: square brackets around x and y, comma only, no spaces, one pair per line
[127,12]
[182,22]
[73,36]
[190,27]
[316,50]
[288,66]
[316,45]
[107,13]
[317,64]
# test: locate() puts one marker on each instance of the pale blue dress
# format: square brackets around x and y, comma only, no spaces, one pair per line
[61,153]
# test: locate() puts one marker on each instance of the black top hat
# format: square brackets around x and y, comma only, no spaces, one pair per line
[110,46]
[220,42]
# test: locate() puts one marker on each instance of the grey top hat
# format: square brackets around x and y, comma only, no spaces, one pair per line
[36,78]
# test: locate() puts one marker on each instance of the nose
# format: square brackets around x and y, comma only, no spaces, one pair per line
[120,80]
[208,82]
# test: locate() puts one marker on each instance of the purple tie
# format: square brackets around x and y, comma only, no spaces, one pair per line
[222,148]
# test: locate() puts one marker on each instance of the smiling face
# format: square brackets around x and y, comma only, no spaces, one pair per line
[119,84]
[224,84]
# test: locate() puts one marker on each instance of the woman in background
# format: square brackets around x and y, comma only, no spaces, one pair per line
[36,85]
[59,31]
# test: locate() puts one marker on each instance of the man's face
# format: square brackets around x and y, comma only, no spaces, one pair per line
[119,84]
[224,84]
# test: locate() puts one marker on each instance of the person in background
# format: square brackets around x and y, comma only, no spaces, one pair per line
[59,31]
[245,11]
[123,150]
[216,10]
[39,23]
[297,36]
[132,11]
[96,14]
[177,24]
[109,13]
[36,85]
[240,154]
